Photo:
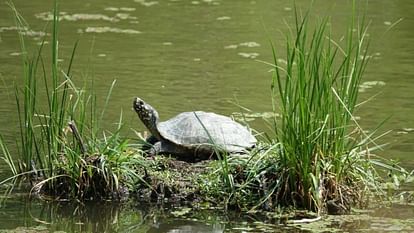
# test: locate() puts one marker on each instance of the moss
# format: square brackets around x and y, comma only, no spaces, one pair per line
[167,179]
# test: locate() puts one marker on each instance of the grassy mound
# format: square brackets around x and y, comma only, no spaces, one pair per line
[317,157]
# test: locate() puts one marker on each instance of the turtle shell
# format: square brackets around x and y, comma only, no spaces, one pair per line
[194,128]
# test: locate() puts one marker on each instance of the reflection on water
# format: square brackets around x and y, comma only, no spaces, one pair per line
[97,217]
[43,216]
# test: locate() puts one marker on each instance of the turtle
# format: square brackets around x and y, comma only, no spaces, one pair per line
[193,135]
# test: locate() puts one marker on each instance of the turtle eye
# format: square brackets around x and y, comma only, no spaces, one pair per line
[140,102]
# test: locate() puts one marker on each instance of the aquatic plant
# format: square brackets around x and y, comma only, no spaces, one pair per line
[318,90]
[60,147]
[326,159]
[317,156]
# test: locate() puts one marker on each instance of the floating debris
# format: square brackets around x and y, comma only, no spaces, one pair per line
[364,57]
[388,23]
[370,84]
[42,42]
[196,59]
[48,16]
[127,9]
[102,55]
[15,54]
[124,16]
[402,132]
[239,116]
[376,56]
[181,212]
[248,55]
[24,31]
[244,229]
[167,43]
[280,60]
[112,9]
[195,2]
[213,2]
[232,46]
[251,44]
[405,130]
[287,8]
[145,3]
[120,9]
[33,33]
[223,18]
[109,29]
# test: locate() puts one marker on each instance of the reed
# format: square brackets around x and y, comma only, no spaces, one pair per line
[62,146]
[322,144]
[316,156]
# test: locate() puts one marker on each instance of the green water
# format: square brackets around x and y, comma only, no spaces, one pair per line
[184,55]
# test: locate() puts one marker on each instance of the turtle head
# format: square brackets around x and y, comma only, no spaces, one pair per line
[147,114]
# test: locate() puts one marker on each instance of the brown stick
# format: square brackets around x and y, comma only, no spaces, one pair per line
[75,132]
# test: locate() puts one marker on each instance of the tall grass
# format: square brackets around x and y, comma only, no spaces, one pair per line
[316,92]
[60,142]
[317,156]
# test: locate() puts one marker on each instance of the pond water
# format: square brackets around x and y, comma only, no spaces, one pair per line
[183,55]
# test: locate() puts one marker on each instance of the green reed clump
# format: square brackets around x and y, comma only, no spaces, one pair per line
[322,146]
[318,157]
[60,147]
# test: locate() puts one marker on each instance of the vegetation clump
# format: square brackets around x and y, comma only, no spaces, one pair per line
[317,156]
[63,151]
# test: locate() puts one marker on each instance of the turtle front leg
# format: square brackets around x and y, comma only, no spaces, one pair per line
[155,149]
[149,143]
[161,147]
